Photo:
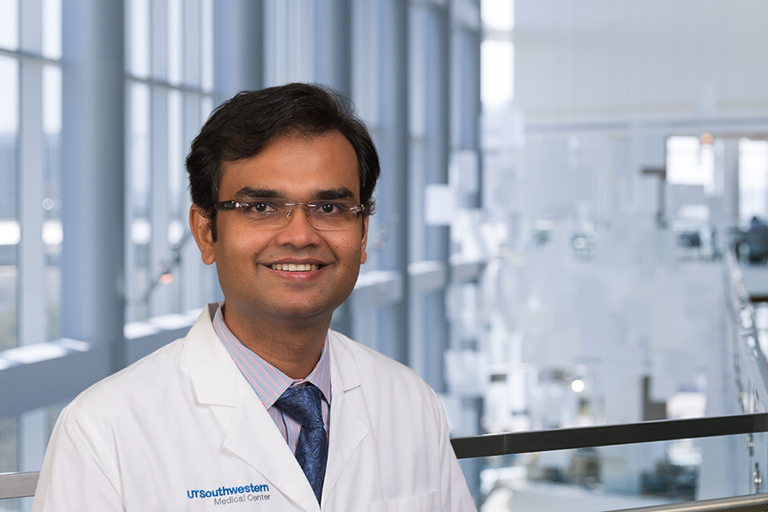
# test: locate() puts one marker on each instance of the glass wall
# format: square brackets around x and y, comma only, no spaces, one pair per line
[170,94]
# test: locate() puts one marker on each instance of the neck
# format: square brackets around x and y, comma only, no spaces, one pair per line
[291,345]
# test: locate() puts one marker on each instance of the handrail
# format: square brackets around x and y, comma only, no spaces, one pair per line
[740,305]
[18,485]
[491,445]
[749,503]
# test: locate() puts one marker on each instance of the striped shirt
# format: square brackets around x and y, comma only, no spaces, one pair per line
[269,383]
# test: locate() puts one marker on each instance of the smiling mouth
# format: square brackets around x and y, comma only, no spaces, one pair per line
[294,267]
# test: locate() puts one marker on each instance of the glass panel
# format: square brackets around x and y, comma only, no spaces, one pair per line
[498,14]
[498,68]
[206,107]
[9,96]
[140,228]
[753,179]
[176,173]
[140,161]
[618,477]
[52,29]
[9,24]
[174,42]
[691,161]
[9,458]
[9,228]
[53,233]
[139,38]
[206,45]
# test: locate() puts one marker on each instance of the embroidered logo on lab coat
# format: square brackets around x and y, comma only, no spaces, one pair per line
[225,495]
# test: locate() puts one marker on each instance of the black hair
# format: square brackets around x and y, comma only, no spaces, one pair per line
[242,126]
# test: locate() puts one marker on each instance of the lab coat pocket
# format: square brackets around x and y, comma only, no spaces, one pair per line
[420,503]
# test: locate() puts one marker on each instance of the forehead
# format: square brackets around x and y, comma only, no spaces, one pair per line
[296,167]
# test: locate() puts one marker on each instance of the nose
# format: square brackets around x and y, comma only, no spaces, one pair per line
[293,206]
[298,231]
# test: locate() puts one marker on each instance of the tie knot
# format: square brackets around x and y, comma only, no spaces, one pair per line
[304,404]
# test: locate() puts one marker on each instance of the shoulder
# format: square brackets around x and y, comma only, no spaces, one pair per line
[162,373]
[136,382]
[366,358]
[377,373]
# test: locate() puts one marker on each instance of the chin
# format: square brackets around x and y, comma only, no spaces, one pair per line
[304,311]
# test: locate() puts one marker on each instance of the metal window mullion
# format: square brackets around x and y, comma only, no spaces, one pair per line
[192,272]
[299,36]
[134,307]
[437,244]
[333,44]
[159,303]
[23,55]
[366,75]
[238,47]
[192,49]
[154,82]
[393,103]
[275,46]
[31,298]
[93,146]
[159,42]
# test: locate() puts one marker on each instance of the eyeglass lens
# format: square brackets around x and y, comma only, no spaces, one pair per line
[321,215]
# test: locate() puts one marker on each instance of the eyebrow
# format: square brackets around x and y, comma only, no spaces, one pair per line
[333,193]
[246,193]
[249,192]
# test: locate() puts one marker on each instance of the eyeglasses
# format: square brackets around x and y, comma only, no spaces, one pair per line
[275,212]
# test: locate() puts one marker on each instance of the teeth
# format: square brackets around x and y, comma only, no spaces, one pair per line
[293,267]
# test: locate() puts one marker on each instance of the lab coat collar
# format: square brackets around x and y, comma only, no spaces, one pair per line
[210,366]
[348,415]
[250,434]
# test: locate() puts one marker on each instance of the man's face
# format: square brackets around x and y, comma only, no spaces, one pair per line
[300,170]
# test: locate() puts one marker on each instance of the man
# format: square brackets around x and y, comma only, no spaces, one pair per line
[261,406]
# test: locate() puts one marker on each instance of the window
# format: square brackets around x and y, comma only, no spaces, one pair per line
[170,88]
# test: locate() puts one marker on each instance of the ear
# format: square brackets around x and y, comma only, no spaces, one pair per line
[363,255]
[200,225]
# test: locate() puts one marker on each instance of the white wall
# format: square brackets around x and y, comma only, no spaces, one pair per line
[640,59]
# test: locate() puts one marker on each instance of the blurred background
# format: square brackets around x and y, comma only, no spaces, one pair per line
[562,182]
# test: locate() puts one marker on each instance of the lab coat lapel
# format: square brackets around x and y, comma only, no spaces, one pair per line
[254,437]
[250,434]
[347,428]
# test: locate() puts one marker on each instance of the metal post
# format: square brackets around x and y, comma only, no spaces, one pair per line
[238,46]
[93,301]
[392,195]
[333,44]
[31,256]
[437,238]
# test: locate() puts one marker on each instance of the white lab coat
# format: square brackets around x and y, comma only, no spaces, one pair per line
[183,430]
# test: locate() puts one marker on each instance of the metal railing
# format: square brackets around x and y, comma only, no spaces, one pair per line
[17,485]
[749,503]
[492,445]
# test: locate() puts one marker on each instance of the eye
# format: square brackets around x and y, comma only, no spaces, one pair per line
[329,208]
[262,207]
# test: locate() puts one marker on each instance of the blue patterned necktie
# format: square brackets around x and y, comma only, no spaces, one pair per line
[304,404]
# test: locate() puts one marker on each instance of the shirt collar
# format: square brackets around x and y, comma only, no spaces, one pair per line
[267,381]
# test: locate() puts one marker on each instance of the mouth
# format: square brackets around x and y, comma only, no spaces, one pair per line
[294,267]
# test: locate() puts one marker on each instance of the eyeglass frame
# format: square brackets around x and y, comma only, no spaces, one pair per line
[233,205]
